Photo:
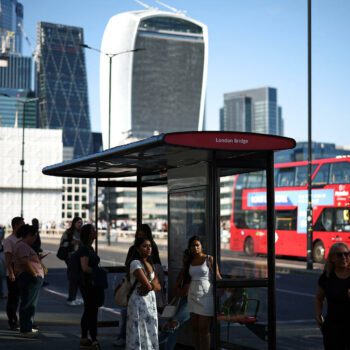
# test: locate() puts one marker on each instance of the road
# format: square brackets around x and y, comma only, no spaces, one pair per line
[294,286]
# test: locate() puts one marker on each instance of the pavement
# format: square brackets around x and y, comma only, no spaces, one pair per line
[59,324]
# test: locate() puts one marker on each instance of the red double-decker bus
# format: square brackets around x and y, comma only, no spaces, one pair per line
[330,200]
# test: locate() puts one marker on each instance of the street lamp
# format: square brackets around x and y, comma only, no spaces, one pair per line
[25,101]
[309,233]
[110,57]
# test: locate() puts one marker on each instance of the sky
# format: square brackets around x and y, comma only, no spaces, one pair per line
[252,43]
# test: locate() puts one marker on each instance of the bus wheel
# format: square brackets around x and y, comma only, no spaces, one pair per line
[318,252]
[249,246]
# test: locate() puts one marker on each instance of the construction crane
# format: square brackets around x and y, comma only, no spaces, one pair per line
[144,5]
[33,51]
[171,8]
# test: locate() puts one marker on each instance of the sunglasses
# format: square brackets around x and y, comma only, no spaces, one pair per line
[342,254]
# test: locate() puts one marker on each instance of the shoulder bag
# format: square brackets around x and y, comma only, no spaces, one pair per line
[62,253]
[123,292]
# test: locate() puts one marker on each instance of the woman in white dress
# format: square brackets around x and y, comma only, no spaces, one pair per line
[142,320]
[200,295]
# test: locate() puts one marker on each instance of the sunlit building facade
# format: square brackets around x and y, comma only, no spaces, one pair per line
[160,88]
[254,110]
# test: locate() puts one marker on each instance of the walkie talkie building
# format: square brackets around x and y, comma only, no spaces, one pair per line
[160,88]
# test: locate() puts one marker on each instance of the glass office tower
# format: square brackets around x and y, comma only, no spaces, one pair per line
[62,85]
[254,110]
[17,73]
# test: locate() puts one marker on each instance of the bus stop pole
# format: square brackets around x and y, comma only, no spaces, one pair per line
[139,201]
[271,270]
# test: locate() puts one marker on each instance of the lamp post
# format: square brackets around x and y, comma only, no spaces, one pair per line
[24,102]
[110,58]
[309,233]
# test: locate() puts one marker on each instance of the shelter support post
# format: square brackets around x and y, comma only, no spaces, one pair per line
[139,201]
[270,194]
[96,214]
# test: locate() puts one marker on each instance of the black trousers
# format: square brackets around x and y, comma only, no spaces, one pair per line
[12,302]
[93,298]
[336,337]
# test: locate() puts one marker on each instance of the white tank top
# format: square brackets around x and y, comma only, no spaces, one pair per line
[200,272]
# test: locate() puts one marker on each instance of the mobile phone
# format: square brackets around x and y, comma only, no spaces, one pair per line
[43,256]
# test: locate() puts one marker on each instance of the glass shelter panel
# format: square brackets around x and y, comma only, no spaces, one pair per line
[242,318]
[241,294]
[187,218]
[243,235]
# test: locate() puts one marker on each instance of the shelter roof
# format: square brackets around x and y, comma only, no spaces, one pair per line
[155,155]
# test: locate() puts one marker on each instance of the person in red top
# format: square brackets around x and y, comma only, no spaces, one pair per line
[12,287]
[29,274]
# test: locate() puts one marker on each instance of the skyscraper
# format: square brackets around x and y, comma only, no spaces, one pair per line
[17,73]
[62,85]
[158,89]
[11,20]
[254,110]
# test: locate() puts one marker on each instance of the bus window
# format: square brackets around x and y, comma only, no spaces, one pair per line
[276,172]
[286,220]
[255,180]
[285,177]
[340,173]
[322,176]
[325,222]
[342,220]
[241,181]
[256,219]
[301,176]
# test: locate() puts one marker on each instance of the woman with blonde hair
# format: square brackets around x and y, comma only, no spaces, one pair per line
[334,285]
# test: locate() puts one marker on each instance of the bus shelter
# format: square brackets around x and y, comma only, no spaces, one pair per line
[194,166]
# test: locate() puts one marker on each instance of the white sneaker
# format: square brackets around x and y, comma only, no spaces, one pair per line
[80,301]
[73,303]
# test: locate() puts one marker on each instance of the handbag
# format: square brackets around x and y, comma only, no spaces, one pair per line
[123,291]
[99,277]
[170,310]
[62,253]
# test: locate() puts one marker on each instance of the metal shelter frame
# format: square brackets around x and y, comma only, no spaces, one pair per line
[149,161]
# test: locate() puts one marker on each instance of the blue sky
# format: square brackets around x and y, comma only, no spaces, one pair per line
[252,43]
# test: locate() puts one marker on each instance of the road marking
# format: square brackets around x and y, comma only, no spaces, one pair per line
[64,295]
[295,293]
[297,321]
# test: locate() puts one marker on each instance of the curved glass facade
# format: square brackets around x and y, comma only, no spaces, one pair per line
[167,77]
